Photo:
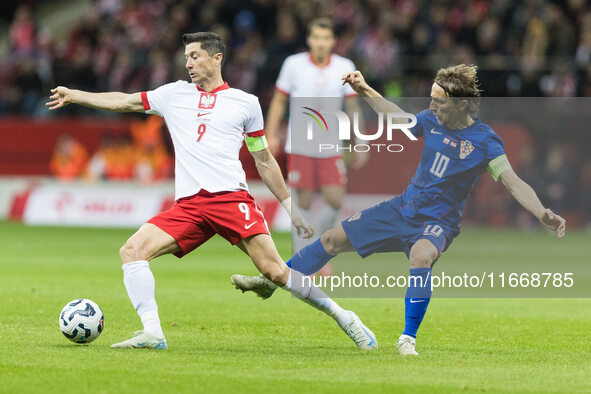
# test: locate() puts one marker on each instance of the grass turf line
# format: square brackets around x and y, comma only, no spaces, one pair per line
[221,340]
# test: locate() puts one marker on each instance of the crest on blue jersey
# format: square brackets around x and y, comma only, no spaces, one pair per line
[466,148]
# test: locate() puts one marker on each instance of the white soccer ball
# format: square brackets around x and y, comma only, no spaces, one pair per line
[81,321]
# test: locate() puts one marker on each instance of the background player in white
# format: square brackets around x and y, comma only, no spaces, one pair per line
[208,121]
[314,74]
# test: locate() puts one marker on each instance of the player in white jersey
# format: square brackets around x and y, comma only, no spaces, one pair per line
[208,122]
[314,74]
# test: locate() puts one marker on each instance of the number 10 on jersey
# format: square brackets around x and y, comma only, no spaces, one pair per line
[439,165]
[200,131]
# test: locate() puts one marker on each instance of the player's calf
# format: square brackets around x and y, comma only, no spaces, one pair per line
[418,294]
[335,241]
[275,271]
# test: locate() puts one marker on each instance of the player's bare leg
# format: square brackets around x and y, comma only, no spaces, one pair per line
[261,249]
[147,243]
[423,255]
[304,198]
[265,257]
[331,243]
[333,197]
[335,241]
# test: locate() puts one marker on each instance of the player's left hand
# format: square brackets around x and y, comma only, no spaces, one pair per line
[554,222]
[355,80]
[303,228]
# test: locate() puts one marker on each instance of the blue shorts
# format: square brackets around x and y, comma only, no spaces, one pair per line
[382,229]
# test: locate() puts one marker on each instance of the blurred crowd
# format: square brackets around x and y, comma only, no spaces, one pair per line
[561,178]
[528,48]
[141,156]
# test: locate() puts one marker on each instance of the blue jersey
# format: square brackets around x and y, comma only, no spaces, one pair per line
[451,163]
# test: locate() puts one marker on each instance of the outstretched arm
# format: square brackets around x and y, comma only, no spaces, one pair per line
[352,107]
[271,174]
[112,101]
[527,197]
[373,98]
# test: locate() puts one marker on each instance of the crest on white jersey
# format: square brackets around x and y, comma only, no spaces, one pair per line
[207,100]
[466,148]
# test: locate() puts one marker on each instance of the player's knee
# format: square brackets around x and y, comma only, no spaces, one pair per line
[334,203]
[131,251]
[330,242]
[304,205]
[126,252]
[276,273]
[423,257]
[334,199]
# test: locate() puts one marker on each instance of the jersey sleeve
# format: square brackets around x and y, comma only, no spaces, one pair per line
[156,101]
[253,126]
[496,157]
[349,92]
[417,130]
[283,83]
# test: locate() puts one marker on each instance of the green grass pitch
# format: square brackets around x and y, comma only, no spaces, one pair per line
[223,341]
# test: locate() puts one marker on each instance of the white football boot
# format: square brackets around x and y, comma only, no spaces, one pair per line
[406,345]
[142,340]
[260,285]
[360,334]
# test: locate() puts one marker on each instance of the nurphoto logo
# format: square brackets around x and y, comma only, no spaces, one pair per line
[395,121]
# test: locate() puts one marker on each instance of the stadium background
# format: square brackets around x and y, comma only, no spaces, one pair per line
[523,49]
[535,49]
[224,341]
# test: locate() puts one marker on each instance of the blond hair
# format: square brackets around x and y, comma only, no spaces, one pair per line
[460,81]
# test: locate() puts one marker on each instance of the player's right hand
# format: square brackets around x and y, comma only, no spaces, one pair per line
[61,96]
[303,228]
[554,222]
[356,80]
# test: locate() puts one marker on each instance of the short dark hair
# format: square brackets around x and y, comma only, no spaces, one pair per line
[323,22]
[210,42]
[461,81]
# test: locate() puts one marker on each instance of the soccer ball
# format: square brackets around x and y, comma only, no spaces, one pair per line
[81,321]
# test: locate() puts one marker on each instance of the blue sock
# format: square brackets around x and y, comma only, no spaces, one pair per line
[310,259]
[416,300]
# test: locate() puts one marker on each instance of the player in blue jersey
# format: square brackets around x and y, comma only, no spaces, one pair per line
[425,219]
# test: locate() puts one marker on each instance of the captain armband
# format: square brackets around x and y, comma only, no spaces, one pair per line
[497,166]
[255,144]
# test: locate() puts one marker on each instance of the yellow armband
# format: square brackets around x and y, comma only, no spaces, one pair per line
[497,166]
[255,144]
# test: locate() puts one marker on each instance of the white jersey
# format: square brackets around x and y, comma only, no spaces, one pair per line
[301,77]
[207,130]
